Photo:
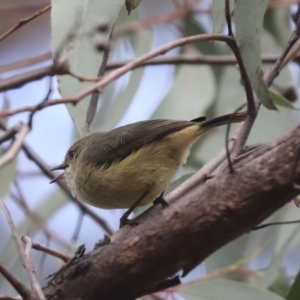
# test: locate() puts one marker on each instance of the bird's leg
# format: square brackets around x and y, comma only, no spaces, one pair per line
[160,200]
[124,219]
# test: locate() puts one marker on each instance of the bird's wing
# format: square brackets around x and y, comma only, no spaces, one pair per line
[119,143]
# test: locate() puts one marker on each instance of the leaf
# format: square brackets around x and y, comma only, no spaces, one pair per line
[190,96]
[282,284]
[295,289]
[221,289]
[83,58]
[218,14]
[131,5]
[282,101]
[277,22]
[249,25]
[142,42]
[7,175]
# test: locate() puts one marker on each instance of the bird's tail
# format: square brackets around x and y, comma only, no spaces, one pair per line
[226,119]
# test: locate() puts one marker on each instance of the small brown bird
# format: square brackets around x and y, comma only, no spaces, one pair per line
[132,165]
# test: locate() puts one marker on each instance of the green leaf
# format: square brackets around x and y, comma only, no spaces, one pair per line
[142,42]
[7,175]
[282,284]
[132,4]
[221,289]
[277,22]
[190,96]
[249,25]
[282,101]
[294,292]
[218,14]
[80,16]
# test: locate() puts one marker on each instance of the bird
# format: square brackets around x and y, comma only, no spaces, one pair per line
[132,165]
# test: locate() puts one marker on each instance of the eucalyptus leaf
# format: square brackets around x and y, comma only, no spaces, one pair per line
[78,18]
[249,17]
[131,5]
[190,96]
[142,42]
[282,101]
[218,14]
[221,289]
[281,285]
[277,23]
[294,292]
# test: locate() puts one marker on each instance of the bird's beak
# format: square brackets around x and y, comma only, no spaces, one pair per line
[59,177]
[60,167]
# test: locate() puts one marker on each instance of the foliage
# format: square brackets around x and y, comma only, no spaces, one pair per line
[185,91]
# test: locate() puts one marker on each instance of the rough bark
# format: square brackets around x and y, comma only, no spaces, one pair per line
[181,236]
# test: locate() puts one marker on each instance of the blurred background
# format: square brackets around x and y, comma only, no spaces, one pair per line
[267,258]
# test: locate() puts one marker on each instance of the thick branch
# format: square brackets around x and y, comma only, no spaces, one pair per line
[182,235]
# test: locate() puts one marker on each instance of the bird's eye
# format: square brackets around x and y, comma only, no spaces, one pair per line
[71,154]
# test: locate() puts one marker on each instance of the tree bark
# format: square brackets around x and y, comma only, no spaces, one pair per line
[179,237]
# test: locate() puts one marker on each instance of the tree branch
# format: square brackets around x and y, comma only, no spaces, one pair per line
[24,21]
[218,212]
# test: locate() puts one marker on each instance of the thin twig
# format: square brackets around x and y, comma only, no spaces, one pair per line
[35,286]
[16,146]
[24,21]
[91,112]
[35,217]
[48,250]
[78,226]
[10,133]
[172,60]
[16,238]
[30,120]
[19,80]
[129,66]
[12,227]
[25,62]
[14,281]
[275,223]
[279,63]
[190,59]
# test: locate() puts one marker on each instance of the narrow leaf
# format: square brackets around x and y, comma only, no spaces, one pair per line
[79,18]
[249,17]
[294,292]
[218,14]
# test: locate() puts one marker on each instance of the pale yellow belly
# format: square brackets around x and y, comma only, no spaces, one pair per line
[122,183]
